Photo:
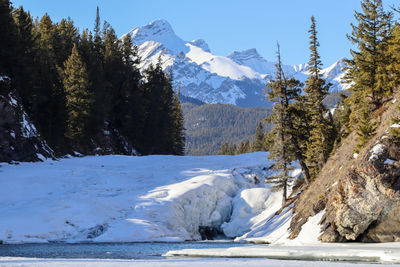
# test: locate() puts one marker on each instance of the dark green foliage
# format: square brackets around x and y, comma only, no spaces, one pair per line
[8,41]
[81,88]
[78,98]
[49,111]
[365,129]
[259,142]
[372,70]
[163,114]
[228,149]
[209,126]
[368,67]
[291,123]
[321,139]
[178,129]
[282,150]
[396,121]
[130,110]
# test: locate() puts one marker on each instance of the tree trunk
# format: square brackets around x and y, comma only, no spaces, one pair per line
[284,192]
[305,171]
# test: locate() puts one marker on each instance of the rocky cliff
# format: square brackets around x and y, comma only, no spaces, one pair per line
[360,194]
[19,139]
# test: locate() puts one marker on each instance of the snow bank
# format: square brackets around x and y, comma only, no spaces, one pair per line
[383,253]
[153,198]
[122,198]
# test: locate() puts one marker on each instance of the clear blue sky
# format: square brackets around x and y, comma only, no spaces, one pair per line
[226,25]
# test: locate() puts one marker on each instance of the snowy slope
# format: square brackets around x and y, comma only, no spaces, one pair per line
[236,79]
[151,198]
[123,198]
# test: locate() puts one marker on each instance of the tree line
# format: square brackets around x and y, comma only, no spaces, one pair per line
[77,87]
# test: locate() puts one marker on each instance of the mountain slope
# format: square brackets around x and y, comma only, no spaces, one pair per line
[209,126]
[237,79]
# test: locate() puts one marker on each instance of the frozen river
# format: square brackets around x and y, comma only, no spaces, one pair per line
[198,254]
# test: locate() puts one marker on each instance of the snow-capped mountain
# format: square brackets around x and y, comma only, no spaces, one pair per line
[237,79]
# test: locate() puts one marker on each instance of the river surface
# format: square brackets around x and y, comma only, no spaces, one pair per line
[105,250]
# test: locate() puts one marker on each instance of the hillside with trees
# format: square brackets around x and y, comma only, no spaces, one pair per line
[208,127]
[83,90]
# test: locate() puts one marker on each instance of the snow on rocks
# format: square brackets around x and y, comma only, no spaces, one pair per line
[396,125]
[123,198]
[376,151]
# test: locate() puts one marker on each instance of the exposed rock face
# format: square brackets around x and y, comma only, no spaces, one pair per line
[366,201]
[359,193]
[19,139]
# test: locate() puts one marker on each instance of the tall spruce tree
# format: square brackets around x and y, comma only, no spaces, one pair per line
[132,106]
[178,129]
[368,67]
[8,39]
[296,125]
[49,114]
[394,52]
[25,74]
[365,129]
[95,64]
[158,96]
[67,36]
[79,99]
[224,149]
[281,150]
[258,144]
[321,137]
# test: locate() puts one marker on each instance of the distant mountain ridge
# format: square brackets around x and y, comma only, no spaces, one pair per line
[237,79]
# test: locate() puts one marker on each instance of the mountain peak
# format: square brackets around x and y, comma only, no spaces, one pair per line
[154,29]
[202,44]
[159,31]
[254,60]
[245,55]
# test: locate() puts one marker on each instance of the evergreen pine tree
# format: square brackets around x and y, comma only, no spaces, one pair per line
[67,36]
[281,148]
[49,113]
[178,134]
[92,51]
[24,74]
[158,94]
[247,147]
[79,99]
[296,124]
[394,52]
[224,149]
[395,131]
[365,129]
[8,39]
[321,138]
[132,106]
[368,67]
[259,138]
[240,149]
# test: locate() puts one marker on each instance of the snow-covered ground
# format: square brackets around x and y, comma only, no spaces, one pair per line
[124,198]
[162,198]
